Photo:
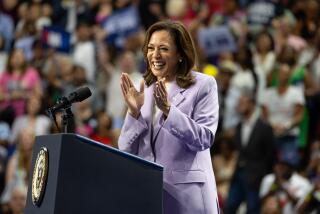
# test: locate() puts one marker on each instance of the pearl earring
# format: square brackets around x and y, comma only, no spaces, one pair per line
[180,60]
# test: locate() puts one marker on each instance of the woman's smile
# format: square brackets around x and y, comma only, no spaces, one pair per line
[162,55]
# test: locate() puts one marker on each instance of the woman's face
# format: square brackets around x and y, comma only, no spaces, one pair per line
[264,43]
[104,121]
[162,55]
[284,74]
[33,106]
[17,59]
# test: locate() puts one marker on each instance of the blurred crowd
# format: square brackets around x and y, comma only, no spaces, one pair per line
[266,155]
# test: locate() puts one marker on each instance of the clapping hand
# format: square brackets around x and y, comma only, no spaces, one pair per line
[161,97]
[132,97]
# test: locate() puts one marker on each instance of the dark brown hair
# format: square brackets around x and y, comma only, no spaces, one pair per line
[9,67]
[185,47]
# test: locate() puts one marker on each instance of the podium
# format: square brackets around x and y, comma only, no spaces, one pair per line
[71,174]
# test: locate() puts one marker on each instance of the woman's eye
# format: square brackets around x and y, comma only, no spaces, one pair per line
[164,49]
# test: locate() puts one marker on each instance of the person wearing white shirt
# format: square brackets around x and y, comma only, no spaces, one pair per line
[84,51]
[288,186]
[244,78]
[283,108]
[264,59]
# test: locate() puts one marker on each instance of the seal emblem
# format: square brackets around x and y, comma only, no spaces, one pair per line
[39,177]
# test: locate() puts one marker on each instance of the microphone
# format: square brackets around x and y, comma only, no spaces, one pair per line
[65,102]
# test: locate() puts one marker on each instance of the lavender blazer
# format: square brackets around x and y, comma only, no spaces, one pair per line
[181,144]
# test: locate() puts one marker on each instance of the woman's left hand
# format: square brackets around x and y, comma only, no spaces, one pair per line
[161,97]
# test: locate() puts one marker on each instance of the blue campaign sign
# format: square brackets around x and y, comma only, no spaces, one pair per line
[121,24]
[216,40]
[57,38]
[261,12]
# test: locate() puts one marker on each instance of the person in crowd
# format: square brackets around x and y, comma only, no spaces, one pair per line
[18,82]
[78,80]
[45,14]
[84,50]
[254,141]
[226,71]
[32,119]
[286,185]
[102,132]
[85,122]
[117,107]
[264,59]
[105,68]
[18,200]
[74,12]
[245,78]
[173,121]
[232,17]
[284,34]
[6,30]
[308,20]
[311,202]
[39,58]
[271,205]
[264,56]
[151,11]
[283,107]
[224,164]
[103,11]
[17,172]
[59,77]
[26,30]
[300,76]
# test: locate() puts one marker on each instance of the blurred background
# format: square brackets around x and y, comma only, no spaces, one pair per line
[264,54]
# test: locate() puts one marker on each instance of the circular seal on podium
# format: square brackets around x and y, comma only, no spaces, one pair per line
[39,177]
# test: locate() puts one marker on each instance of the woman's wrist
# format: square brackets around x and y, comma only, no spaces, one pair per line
[166,110]
[134,114]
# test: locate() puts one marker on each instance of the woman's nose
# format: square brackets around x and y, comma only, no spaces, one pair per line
[157,53]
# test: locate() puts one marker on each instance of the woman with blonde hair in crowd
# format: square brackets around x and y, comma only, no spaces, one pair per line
[17,172]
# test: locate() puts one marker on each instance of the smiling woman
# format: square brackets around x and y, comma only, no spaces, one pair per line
[173,121]
[162,55]
[180,47]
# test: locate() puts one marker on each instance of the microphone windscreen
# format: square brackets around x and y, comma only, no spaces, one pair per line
[80,94]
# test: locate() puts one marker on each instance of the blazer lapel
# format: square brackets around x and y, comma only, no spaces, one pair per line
[175,94]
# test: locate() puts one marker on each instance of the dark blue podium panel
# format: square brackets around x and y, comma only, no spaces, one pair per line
[87,177]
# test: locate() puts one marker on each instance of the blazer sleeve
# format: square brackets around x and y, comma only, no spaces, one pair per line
[197,131]
[131,131]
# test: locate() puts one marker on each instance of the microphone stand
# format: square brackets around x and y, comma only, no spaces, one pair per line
[67,122]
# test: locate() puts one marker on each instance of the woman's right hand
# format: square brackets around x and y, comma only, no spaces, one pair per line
[133,98]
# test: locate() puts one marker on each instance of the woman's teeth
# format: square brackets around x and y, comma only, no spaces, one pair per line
[158,65]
